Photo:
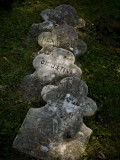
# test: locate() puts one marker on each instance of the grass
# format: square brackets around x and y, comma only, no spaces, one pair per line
[100,66]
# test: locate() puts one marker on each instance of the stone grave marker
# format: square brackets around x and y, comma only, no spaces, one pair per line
[62,36]
[57,130]
[58,65]
[63,14]
[31,87]
[50,69]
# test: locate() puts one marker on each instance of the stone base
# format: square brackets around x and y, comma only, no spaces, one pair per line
[72,149]
[39,139]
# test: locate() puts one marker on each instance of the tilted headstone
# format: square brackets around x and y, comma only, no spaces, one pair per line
[62,36]
[31,87]
[63,14]
[50,69]
[58,65]
[57,129]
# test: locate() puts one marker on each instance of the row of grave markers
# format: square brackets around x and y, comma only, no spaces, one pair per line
[56,130]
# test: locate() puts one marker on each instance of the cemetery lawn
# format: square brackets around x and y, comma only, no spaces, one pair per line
[100,66]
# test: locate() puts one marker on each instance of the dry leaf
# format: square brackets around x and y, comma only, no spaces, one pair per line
[101,155]
[5,59]
[44,142]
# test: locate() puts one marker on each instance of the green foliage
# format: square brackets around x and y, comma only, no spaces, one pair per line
[100,66]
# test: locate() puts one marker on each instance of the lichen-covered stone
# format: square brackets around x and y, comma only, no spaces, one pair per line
[38,28]
[56,66]
[50,69]
[31,87]
[57,129]
[63,14]
[62,36]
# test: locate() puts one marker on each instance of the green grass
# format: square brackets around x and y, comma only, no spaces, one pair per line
[100,66]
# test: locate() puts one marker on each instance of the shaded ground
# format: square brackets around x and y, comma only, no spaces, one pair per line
[100,65]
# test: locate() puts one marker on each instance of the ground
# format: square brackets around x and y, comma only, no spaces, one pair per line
[100,66]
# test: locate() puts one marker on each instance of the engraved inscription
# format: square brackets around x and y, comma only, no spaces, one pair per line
[73,101]
[68,99]
[57,67]
[54,43]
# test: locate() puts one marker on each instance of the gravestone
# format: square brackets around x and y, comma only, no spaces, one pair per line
[58,65]
[63,14]
[62,36]
[57,129]
[50,69]
[31,87]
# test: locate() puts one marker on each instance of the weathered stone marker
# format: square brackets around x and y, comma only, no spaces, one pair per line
[31,88]
[63,14]
[62,36]
[57,129]
[58,65]
[50,69]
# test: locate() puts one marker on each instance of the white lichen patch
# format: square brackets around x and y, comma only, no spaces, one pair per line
[44,149]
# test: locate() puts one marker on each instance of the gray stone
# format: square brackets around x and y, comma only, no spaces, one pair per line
[31,87]
[63,14]
[38,28]
[62,36]
[56,66]
[50,69]
[57,129]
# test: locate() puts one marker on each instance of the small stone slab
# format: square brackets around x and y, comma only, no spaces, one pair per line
[31,88]
[50,69]
[56,66]
[62,36]
[38,28]
[63,14]
[57,129]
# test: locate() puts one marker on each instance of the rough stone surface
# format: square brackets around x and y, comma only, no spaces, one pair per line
[57,129]
[31,88]
[62,36]
[38,28]
[56,66]
[50,69]
[63,14]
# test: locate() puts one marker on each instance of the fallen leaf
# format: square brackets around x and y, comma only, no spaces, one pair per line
[43,142]
[5,59]
[101,155]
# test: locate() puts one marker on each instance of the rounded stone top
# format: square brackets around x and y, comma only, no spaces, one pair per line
[63,14]
[56,66]
[72,94]
[62,36]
